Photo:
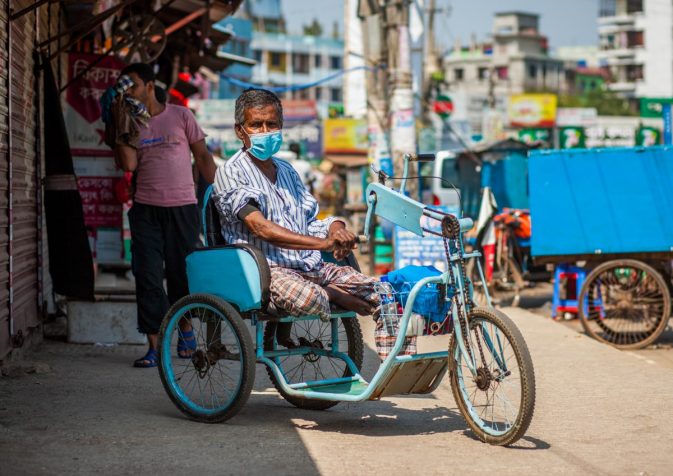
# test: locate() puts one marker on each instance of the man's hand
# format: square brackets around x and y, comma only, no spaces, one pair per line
[344,240]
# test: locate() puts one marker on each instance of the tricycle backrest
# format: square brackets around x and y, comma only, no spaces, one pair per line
[210,218]
[239,274]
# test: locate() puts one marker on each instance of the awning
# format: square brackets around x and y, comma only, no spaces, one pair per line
[348,160]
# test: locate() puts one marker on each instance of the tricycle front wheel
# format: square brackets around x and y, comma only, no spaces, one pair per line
[210,375]
[498,402]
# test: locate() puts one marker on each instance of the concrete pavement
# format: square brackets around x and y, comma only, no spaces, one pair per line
[599,411]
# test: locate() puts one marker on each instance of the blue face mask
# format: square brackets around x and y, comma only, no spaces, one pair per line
[264,145]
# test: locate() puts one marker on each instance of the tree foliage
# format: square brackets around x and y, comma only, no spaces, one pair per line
[313,29]
[606,102]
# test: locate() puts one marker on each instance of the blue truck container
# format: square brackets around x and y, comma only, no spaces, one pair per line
[601,203]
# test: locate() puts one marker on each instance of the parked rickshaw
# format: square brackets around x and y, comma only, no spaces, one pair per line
[489,366]
[610,212]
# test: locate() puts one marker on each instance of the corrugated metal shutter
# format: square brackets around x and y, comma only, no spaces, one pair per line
[4,160]
[23,204]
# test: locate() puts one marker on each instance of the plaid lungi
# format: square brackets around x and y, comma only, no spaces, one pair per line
[301,293]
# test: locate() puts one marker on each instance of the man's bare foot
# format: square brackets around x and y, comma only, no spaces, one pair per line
[348,301]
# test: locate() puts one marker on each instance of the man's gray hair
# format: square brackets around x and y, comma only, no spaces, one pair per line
[256,98]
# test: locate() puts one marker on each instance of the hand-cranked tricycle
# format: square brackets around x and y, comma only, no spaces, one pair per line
[489,366]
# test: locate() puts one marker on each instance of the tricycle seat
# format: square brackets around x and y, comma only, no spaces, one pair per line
[238,273]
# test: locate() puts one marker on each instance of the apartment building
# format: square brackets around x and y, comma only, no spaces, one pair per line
[515,60]
[636,46]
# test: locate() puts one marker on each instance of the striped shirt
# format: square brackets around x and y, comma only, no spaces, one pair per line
[286,203]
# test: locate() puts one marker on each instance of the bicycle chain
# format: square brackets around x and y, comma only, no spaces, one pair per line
[451,233]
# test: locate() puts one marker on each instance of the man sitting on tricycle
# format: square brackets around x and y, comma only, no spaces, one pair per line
[262,201]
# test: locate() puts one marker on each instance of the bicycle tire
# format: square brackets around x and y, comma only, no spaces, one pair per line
[603,330]
[353,334]
[224,311]
[526,376]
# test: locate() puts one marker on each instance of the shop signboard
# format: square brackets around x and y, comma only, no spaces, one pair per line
[647,136]
[82,110]
[96,180]
[576,116]
[653,107]
[572,137]
[411,249]
[532,110]
[345,136]
[611,136]
[532,135]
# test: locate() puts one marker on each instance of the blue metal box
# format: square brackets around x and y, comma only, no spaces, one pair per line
[601,201]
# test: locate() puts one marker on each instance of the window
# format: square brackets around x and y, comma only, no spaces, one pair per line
[335,62]
[634,72]
[503,72]
[303,94]
[318,94]
[482,73]
[532,71]
[277,62]
[335,94]
[258,55]
[317,61]
[608,8]
[450,173]
[635,39]
[458,74]
[634,6]
[300,63]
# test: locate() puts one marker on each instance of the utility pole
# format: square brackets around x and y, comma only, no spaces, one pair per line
[402,120]
[376,58]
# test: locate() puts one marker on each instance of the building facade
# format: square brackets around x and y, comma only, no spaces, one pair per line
[288,60]
[636,46]
[515,60]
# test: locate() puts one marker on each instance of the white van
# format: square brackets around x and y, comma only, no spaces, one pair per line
[441,192]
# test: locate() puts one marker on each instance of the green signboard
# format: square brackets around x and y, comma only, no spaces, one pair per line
[532,135]
[648,136]
[572,138]
[652,107]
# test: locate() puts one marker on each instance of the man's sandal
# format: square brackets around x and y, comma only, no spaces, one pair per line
[151,359]
[186,344]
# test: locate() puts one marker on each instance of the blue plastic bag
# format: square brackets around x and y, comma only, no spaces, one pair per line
[428,303]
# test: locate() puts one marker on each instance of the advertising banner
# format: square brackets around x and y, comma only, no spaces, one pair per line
[572,138]
[532,110]
[653,107]
[82,107]
[96,180]
[345,136]
[576,116]
[532,135]
[648,136]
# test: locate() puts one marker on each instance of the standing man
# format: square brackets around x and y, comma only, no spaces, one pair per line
[164,219]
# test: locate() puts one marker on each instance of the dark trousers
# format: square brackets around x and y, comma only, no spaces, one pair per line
[162,237]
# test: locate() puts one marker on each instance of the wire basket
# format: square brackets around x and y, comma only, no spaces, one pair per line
[430,313]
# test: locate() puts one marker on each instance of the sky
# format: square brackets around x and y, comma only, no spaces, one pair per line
[565,22]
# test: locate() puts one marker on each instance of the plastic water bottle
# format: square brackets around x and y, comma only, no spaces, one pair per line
[388,305]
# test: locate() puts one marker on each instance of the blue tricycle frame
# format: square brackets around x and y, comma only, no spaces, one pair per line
[243,293]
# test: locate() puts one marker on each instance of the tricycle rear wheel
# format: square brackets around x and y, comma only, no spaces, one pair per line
[212,384]
[299,368]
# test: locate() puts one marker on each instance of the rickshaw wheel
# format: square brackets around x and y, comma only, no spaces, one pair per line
[625,303]
[299,368]
[212,384]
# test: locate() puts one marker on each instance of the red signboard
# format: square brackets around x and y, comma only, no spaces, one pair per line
[100,206]
[82,110]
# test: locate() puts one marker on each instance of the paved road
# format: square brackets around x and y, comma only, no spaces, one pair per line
[599,411]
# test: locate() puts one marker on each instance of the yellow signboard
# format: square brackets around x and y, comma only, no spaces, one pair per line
[345,136]
[532,110]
